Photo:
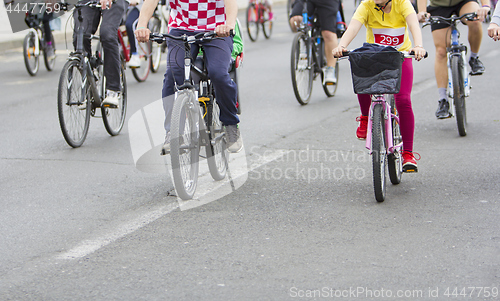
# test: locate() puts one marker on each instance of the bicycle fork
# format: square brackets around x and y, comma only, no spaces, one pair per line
[462,52]
[391,148]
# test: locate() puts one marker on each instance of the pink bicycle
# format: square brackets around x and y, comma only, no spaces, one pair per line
[383,140]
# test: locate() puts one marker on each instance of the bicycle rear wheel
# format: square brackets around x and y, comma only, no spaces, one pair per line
[216,151]
[379,152]
[30,59]
[394,162]
[252,22]
[185,144]
[267,23]
[154,26]
[114,118]
[301,68]
[50,63]
[459,93]
[144,50]
[73,104]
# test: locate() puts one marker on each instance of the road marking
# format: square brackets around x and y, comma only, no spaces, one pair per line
[87,247]
[90,246]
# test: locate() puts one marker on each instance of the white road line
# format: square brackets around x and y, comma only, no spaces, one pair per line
[87,247]
[90,246]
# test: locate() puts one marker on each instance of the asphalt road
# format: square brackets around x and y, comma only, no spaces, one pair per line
[86,224]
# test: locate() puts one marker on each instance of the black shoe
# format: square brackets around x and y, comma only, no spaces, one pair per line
[443,110]
[477,67]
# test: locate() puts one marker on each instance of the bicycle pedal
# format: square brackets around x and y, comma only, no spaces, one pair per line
[410,170]
[329,84]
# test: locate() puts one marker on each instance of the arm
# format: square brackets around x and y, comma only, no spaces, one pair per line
[483,10]
[416,33]
[231,12]
[142,32]
[422,10]
[349,35]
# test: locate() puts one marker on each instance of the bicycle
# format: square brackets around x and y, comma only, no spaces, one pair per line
[34,43]
[81,89]
[158,23]
[259,14]
[143,49]
[383,140]
[458,74]
[195,121]
[308,58]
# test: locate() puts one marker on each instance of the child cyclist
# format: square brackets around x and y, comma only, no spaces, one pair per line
[387,23]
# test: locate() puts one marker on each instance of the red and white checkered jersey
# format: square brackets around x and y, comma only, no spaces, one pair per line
[196,15]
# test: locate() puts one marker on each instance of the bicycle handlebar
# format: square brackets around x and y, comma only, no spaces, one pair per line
[411,54]
[452,19]
[199,37]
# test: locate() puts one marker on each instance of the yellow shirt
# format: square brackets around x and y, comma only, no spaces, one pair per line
[391,30]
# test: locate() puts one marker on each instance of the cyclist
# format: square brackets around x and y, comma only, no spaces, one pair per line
[190,18]
[31,20]
[112,13]
[441,34]
[387,23]
[132,16]
[494,28]
[326,10]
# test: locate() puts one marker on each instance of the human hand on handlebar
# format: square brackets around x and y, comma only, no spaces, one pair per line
[419,52]
[142,34]
[223,30]
[423,16]
[106,4]
[494,31]
[338,51]
[482,12]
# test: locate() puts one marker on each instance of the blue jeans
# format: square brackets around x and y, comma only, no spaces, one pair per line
[217,60]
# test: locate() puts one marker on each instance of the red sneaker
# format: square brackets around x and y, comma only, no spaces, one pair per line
[363,125]
[409,162]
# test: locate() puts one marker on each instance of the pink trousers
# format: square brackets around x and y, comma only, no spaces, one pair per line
[403,105]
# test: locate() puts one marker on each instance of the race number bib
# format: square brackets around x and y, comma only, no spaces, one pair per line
[389,36]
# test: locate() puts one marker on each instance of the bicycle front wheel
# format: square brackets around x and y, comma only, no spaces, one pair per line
[301,68]
[379,152]
[141,73]
[114,118]
[50,63]
[73,104]
[154,26]
[185,144]
[30,59]
[394,162]
[459,93]
[267,23]
[252,22]
[216,151]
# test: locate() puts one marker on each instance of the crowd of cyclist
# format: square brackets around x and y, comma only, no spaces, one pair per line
[392,18]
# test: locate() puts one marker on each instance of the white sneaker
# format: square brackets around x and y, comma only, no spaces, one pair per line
[135,61]
[234,141]
[166,145]
[112,99]
[329,75]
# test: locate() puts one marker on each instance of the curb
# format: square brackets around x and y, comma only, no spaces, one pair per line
[17,41]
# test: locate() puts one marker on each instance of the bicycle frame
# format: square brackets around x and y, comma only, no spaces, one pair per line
[37,38]
[391,148]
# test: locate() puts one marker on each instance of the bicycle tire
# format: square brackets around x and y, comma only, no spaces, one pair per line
[217,154]
[114,118]
[394,160]
[154,26]
[459,94]
[73,120]
[50,63]
[31,61]
[141,73]
[185,144]
[379,152]
[252,22]
[301,68]
[267,24]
